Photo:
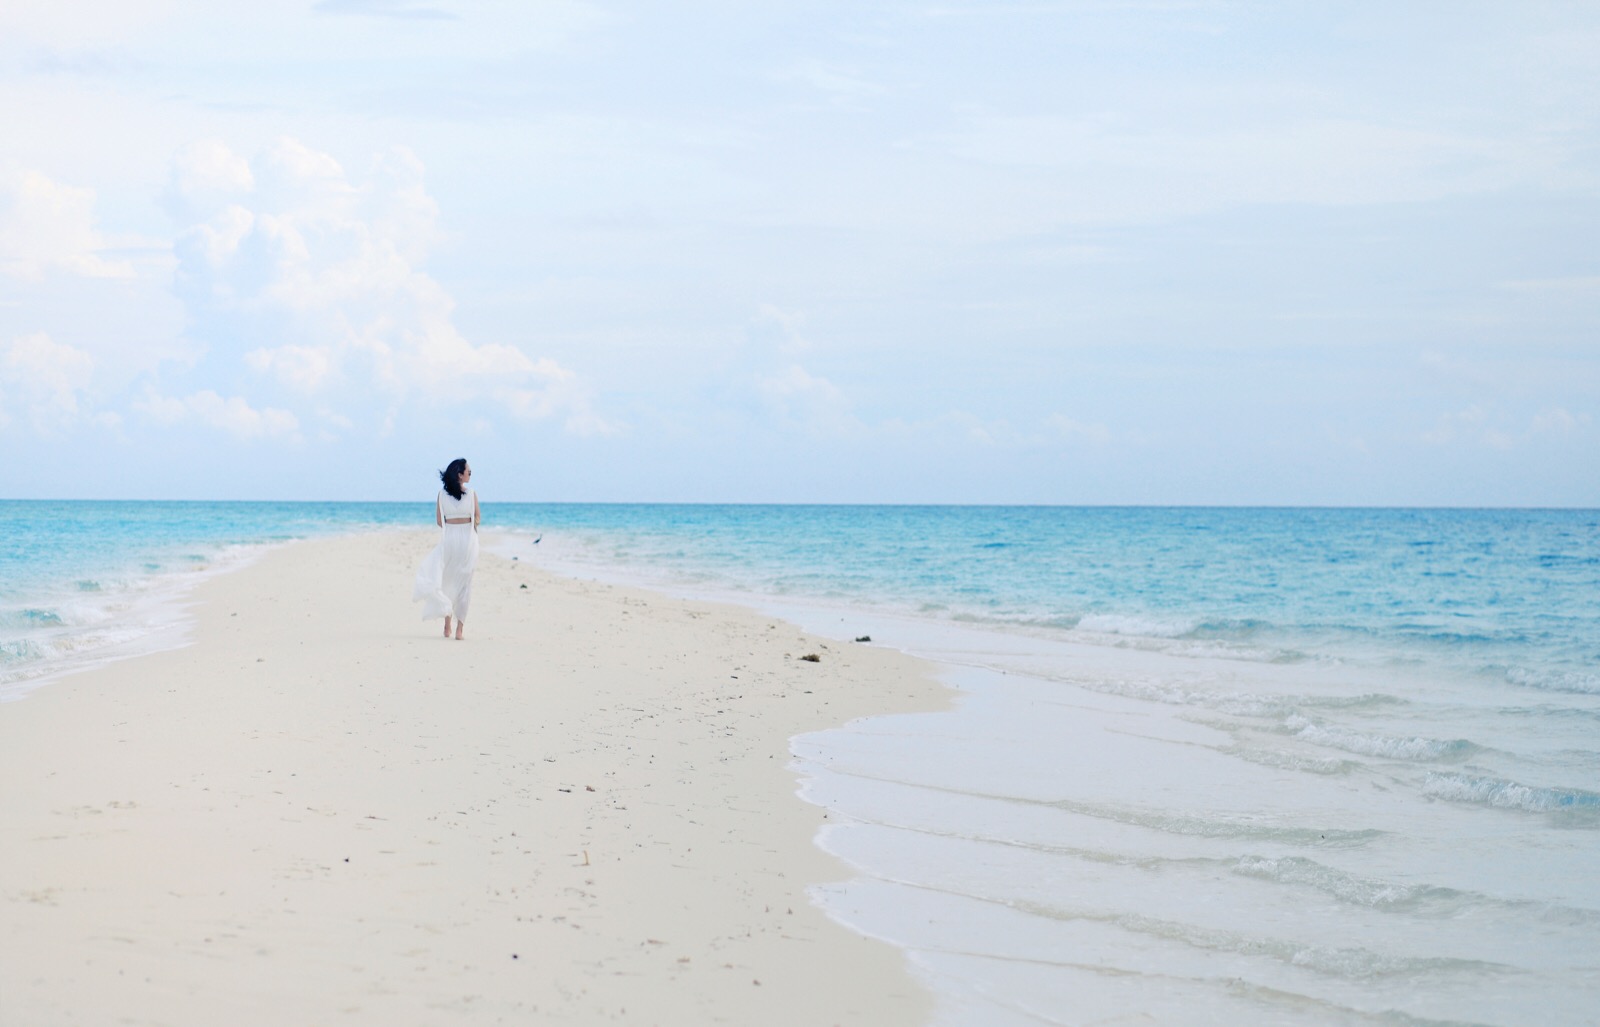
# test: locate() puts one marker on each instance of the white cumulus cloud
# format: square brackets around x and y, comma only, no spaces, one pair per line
[795,394]
[47,226]
[314,280]
[206,175]
[232,414]
[305,367]
[45,378]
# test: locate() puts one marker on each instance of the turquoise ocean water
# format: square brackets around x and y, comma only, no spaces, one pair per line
[1207,765]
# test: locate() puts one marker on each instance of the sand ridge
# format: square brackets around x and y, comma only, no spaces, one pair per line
[323,812]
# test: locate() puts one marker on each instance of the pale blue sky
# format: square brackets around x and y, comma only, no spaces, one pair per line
[1059,252]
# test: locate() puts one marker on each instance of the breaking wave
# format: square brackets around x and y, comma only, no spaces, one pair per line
[1489,791]
[1574,681]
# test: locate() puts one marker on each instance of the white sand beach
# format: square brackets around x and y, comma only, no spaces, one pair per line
[321,812]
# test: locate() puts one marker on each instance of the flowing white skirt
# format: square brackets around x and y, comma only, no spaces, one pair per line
[444,581]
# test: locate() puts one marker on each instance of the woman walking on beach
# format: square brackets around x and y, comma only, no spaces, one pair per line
[444,581]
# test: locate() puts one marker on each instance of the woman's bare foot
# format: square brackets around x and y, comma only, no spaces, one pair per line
[447,627]
[459,626]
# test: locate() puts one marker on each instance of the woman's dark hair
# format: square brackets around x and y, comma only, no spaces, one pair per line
[451,476]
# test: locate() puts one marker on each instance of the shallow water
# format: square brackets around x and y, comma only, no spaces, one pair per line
[1214,766]
[1246,766]
[85,581]
[1203,845]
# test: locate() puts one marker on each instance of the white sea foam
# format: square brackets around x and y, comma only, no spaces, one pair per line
[1378,745]
[1177,693]
[1298,870]
[1178,823]
[107,619]
[1356,963]
[1291,760]
[1147,627]
[1209,649]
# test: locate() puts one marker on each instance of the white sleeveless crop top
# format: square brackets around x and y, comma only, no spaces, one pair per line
[450,506]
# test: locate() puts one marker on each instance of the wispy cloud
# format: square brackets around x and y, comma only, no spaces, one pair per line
[1575,285]
[1070,430]
[841,84]
[1502,431]
[1113,166]
[385,9]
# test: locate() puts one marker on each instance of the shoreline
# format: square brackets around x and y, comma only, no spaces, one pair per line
[143,617]
[304,814]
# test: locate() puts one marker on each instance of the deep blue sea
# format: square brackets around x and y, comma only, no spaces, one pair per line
[1207,765]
